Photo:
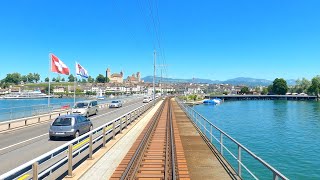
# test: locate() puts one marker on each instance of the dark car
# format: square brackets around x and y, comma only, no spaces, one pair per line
[69,126]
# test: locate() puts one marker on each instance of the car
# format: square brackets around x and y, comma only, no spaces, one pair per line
[115,104]
[72,125]
[86,108]
[146,99]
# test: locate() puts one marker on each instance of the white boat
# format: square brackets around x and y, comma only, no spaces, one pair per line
[100,97]
[26,95]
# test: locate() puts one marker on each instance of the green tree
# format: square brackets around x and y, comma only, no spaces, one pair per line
[36,77]
[84,80]
[107,79]
[315,86]
[302,85]
[46,89]
[270,89]
[63,80]
[24,78]
[280,86]
[100,79]
[30,77]
[264,91]
[71,78]
[244,90]
[90,79]
[53,79]
[14,78]
[46,79]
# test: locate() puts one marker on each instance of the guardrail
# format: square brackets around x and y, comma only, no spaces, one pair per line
[61,161]
[207,128]
[7,125]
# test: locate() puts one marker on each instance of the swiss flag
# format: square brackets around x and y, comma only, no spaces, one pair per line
[58,66]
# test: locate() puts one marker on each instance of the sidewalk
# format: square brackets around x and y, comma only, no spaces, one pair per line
[106,161]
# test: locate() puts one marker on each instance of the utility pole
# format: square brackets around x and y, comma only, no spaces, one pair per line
[154,76]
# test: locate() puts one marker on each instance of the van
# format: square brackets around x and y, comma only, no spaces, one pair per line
[86,108]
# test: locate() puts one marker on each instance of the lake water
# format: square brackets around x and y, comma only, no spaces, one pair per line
[18,108]
[286,134]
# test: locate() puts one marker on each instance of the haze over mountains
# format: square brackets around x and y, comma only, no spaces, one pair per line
[235,81]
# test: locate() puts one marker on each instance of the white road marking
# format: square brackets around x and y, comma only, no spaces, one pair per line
[48,133]
[23,142]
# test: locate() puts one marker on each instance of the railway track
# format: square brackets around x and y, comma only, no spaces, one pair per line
[157,153]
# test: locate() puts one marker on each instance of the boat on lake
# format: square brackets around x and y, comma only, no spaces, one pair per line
[26,95]
[212,101]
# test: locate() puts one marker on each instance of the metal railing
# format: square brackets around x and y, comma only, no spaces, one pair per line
[61,161]
[206,127]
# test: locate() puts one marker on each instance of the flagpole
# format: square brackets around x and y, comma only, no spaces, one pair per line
[49,79]
[74,86]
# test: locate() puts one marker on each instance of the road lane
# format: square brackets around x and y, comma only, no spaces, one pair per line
[14,156]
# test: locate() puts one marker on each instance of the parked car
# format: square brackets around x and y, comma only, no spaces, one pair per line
[72,125]
[86,108]
[115,104]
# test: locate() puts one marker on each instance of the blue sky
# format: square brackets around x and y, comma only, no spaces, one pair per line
[203,39]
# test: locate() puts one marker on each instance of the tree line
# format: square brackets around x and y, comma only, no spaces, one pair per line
[17,78]
[280,87]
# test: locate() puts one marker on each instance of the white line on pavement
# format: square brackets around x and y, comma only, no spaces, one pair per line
[23,141]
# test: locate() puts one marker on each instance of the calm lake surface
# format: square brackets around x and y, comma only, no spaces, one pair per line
[18,108]
[286,134]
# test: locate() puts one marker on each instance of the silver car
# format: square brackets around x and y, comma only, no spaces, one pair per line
[115,104]
[69,126]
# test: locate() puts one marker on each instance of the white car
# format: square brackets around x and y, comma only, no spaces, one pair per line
[115,104]
[146,99]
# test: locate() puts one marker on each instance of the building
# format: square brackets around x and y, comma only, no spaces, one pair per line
[134,79]
[114,78]
[59,89]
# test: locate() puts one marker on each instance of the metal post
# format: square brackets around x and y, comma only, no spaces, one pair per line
[221,143]
[154,76]
[275,177]
[114,130]
[120,125]
[70,160]
[239,161]
[126,118]
[35,171]
[104,137]
[90,146]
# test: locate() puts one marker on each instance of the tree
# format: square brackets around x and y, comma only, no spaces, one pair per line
[71,78]
[58,79]
[315,86]
[84,81]
[24,78]
[264,91]
[63,80]
[90,79]
[47,88]
[30,77]
[244,90]
[302,85]
[53,79]
[46,79]
[107,79]
[100,79]
[280,86]
[13,78]
[270,89]
[36,77]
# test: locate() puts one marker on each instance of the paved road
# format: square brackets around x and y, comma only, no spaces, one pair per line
[20,146]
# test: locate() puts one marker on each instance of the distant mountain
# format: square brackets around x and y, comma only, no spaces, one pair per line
[171,80]
[252,82]
[248,81]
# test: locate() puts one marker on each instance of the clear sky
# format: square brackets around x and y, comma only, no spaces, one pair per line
[203,39]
